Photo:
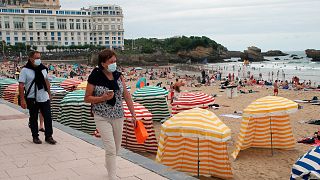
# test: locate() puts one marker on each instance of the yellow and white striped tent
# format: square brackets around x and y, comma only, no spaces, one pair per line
[82,85]
[195,131]
[265,124]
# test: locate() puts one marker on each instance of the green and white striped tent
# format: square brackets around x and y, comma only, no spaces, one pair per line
[4,83]
[154,98]
[57,93]
[57,81]
[75,113]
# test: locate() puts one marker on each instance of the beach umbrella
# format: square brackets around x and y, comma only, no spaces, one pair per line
[190,100]
[11,93]
[56,81]
[194,141]
[75,113]
[129,88]
[57,94]
[128,136]
[4,83]
[307,166]
[82,85]
[70,84]
[265,124]
[154,99]
[141,82]
[138,68]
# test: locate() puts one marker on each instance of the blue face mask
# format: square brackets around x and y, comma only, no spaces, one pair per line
[112,67]
[37,62]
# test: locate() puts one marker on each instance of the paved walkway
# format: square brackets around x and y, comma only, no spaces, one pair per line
[70,158]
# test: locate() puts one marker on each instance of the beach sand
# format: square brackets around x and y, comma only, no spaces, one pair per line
[257,163]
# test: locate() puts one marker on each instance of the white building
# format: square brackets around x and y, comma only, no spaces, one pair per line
[97,25]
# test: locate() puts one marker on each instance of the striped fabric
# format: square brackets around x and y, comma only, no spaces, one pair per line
[154,99]
[57,81]
[265,117]
[4,83]
[179,139]
[82,85]
[307,166]
[75,113]
[128,137]
[191,100]
[68,84]
[57,94]
[11,93]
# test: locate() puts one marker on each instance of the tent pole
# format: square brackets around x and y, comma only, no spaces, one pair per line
[271,137]
[198,160]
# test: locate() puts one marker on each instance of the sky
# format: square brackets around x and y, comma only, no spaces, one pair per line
[287,25]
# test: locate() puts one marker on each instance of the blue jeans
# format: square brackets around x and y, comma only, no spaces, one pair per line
[45,109]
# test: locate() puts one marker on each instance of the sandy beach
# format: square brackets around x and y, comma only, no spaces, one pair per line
[257,163]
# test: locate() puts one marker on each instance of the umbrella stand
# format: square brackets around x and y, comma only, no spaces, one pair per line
[198,160]
[271,137]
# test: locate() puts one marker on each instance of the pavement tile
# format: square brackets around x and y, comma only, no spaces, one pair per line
[131,171]
[3,174]
[98,160]
[29,170]
[60,174]
[17,178]
[85,171]
[7,165]
[130,178]
[71,164]
[149,176]
[34,161]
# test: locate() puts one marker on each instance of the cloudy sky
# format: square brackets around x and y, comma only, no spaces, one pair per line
[268,24]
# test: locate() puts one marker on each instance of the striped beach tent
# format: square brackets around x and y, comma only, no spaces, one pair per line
[57,81]
[307,166]
[190,100]
[154,99]
[70,84]
[4,83]
[266,124]
[82,85]
[57,94]
[11,93]
[128,137]
[75,113]
[194,141]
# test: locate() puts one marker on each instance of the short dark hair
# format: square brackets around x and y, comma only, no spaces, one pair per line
[32,53]
[105,55]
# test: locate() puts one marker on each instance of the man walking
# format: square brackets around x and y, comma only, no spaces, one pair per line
[275,88]
[33,80]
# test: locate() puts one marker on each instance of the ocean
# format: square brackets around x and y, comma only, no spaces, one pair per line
[303,68]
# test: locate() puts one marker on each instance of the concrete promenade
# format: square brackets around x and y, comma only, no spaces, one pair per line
[71,158]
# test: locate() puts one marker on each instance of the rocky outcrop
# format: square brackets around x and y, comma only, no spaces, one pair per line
[274,53]
[314,54]
[253,54]
[235,54]
[200,54]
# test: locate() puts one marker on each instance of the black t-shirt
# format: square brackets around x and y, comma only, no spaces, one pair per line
[98,78]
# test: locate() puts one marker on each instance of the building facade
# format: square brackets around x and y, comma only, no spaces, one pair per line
[97,25]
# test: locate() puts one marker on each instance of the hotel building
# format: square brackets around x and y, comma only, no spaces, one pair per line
[42,23]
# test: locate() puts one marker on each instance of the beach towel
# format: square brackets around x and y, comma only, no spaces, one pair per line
[231,116]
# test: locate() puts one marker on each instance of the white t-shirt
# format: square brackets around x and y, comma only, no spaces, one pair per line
[26,76]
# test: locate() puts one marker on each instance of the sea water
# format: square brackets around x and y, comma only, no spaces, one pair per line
[303,68]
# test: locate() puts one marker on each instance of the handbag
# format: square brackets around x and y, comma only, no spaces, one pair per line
[140,132]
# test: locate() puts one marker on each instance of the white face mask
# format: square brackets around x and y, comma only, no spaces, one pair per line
[37,62]
[112,67]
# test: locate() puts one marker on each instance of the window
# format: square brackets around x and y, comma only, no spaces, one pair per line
[15,39]
[31,11]
[8,40]
[18,25]
[31,33]
[15,33]
[106,27]
[62,23]
[119,42]
[31,38]
[119,38]
[59,38]
[114,38]
[49,12]
[30,25]
[66,43]
[78,33]
[44,25]
[51,25]
[52,33]
[23,38]
[114,42]
[106,38]
[52,38]
[66,38]
[37,11]
[43,11]
[71,25]
[59,33]
[107,42]
[113,27]
[72,33]
[6,25]
[84,26]
[99,27]
[78,26]
[119,27]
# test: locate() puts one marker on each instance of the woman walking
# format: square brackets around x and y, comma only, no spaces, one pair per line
[105,89]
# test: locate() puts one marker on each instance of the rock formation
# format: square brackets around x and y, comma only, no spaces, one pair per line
[253,54]
[314,54]
[274,53]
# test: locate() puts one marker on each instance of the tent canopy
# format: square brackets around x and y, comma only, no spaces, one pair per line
[141,82]
[149,92]
[199,123]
